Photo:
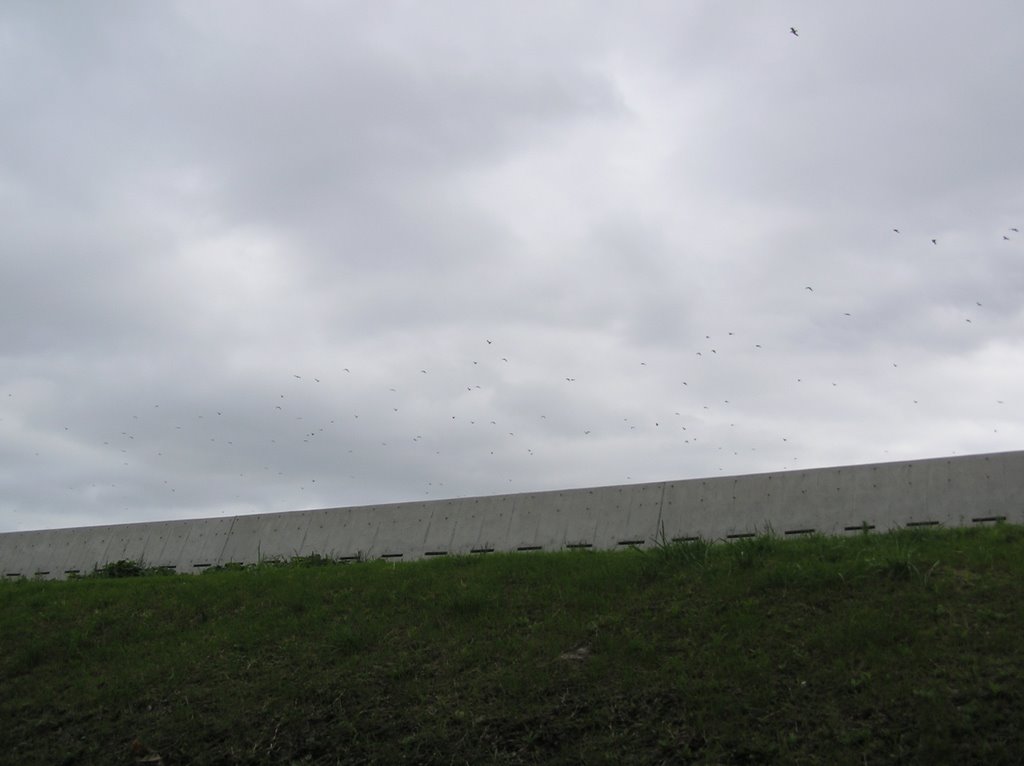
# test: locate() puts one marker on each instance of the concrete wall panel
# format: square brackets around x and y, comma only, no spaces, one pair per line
[579,513]
[553,520]
[88,549]
[205,544]
[265,536]
[905,490]
[684,513]
[166,544]
[809,493]
[940,501]
[864,503]
[990,486]
[752,511]
[966,497]
[327,534]
[816,495]
[62,545]
[46,554]
[398,531]
[1011,492]
[350,532]
[602,517]
[28,554]
[484,524]
[440,535]
[15,553]
[627,516]
[127,543]
[524,527]
[714,509]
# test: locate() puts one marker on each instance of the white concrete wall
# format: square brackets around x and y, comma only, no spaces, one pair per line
[956,491]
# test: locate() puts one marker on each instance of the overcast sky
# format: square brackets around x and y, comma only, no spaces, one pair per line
[273,256]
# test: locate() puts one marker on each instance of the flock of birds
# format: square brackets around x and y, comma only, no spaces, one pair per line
[469,413]
[477,413]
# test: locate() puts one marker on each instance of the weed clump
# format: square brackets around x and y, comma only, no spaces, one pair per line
[127,568]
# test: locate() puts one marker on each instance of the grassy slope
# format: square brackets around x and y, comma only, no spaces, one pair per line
[899,648]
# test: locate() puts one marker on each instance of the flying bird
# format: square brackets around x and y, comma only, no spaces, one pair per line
[792,31]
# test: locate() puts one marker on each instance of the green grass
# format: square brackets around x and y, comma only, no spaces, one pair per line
[872,649]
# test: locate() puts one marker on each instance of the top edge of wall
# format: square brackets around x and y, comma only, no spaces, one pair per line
[535,493]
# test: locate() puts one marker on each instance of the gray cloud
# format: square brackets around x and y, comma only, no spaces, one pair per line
[302,256]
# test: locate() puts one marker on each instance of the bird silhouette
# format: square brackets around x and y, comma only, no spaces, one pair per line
[792,31]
